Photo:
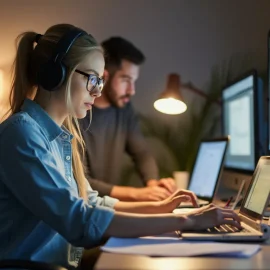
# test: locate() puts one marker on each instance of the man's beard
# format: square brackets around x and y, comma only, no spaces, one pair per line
[114,100]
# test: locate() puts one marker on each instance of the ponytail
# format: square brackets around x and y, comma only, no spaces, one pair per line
[22,86]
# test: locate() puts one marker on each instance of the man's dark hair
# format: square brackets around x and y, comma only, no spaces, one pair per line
[117,49]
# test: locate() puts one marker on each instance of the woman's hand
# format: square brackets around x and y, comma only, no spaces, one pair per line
[174,200]
[210,216]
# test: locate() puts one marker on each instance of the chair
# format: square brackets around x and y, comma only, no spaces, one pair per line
[29,265]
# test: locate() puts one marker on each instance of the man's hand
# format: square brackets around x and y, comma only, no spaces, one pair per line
[167,183]
[152,193]
[177,198]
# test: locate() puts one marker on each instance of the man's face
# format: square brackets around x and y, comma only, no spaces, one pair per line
[121,85]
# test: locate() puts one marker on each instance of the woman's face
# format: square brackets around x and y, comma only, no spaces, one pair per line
[83,90]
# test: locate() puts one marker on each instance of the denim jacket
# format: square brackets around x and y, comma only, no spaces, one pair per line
[42,216]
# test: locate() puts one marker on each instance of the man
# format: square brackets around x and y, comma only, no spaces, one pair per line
[115,130]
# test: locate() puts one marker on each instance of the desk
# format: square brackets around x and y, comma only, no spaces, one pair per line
[110,261]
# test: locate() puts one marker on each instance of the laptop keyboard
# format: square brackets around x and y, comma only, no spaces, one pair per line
[226,229]
[219,229]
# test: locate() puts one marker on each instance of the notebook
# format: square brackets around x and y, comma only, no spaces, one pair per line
[251,212]
[207,170]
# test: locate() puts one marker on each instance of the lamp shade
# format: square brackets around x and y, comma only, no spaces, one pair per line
[170,101]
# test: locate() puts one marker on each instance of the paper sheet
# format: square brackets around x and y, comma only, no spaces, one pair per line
[174,247]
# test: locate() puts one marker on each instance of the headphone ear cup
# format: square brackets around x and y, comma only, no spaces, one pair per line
[51,76]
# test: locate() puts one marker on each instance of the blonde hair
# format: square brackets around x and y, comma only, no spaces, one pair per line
[29,59]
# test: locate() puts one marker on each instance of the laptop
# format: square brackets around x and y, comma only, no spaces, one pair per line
[207,170]
[251,212]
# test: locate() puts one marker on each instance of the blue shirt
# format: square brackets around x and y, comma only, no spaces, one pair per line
[42,217]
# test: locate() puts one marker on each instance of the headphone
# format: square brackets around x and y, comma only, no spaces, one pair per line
[53,73]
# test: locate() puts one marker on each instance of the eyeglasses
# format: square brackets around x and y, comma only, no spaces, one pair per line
[92,81]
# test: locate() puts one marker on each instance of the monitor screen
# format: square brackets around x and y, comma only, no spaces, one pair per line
[268,85]
[207,167]
[238,123]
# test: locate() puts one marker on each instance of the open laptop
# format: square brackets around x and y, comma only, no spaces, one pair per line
[207,170]
[251,212]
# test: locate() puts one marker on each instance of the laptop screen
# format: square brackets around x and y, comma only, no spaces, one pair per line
[260,188]
[207,168]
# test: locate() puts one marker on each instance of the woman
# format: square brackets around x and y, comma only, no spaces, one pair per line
[47,211]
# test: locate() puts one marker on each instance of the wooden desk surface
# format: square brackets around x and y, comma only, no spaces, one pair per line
[110,261]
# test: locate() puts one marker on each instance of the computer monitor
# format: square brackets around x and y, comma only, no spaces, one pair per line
[268,89]
[243,121]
